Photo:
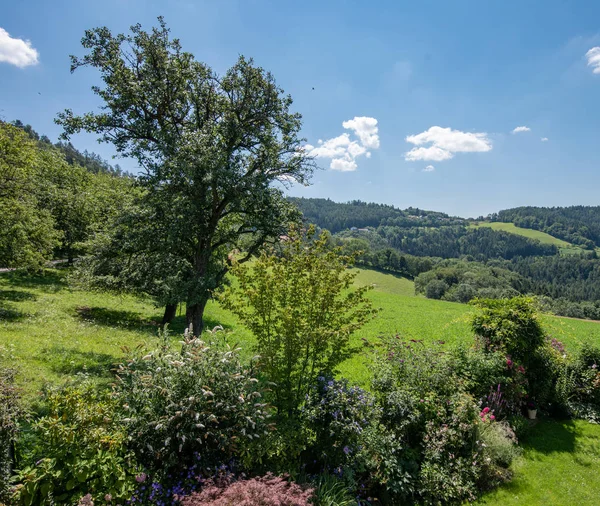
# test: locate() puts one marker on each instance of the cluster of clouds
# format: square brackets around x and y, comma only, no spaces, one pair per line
[438,144]
[342,150]
[521,129]
[17,52]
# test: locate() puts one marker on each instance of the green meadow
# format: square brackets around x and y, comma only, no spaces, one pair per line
[52,332]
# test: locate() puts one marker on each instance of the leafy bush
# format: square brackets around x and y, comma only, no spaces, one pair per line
[79,449]
[509,325]
[427,447]
[436,289]
[499,444]
[337,414]
[491,377]
[9,413]
[578,384]
[302,308]
[267,490]
[198,403]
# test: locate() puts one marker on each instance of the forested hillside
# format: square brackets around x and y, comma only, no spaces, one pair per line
[453,260]
[90,161]
[50,203]
[577,224]
[336,217]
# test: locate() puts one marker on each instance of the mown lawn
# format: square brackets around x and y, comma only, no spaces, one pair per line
[560,465]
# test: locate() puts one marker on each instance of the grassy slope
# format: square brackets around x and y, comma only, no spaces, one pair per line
[54,332]
[564,246]
[44,332]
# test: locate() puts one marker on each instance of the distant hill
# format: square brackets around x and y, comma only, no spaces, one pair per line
[565,248]
[92,162]
[336,217]
[579,225]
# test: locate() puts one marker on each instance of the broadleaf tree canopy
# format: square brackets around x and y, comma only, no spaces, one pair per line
[209,147]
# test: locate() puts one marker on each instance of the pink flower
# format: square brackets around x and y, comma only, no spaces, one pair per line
[141,478]
[492,417]
[486,410]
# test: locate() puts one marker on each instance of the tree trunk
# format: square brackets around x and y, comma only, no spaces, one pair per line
[170,312]
[193,315]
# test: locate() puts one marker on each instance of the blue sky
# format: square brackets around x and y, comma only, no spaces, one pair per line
[454,78]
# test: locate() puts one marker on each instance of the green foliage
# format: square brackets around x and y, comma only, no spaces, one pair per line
[427,446]
[436,289]
[575,224]
[27,234]
[509,325]
[10,410]
[210,145]
[499,450]
[491,378]
[302,310]
[78,448]
[337,414]
[198,403]
[331,491]
[464,281]
[578,384]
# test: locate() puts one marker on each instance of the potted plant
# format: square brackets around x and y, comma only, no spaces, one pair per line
[531,409]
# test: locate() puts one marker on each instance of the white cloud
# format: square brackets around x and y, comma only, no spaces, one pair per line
[521,129]
[366,130]
[593,59]
[429,168]
[16,51]
[342,150]
[444,143]
[544,139]
[343,164]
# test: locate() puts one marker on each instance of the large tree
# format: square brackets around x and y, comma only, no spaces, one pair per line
[210,148]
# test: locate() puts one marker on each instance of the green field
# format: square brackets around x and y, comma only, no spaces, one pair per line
[565,247]
[51,332]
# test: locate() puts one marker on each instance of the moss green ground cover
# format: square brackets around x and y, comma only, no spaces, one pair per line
[52,332]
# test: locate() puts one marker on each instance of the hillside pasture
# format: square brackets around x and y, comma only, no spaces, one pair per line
[565,248]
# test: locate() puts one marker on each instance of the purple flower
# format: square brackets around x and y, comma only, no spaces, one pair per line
[141,478]
[346,450]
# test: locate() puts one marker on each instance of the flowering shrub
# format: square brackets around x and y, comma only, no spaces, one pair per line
[78,450]
[426,447]
[198,406]
[493,378]
[267,490]
[337,414]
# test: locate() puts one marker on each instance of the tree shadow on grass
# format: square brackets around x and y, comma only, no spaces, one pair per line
[551,436]
[114,318]
[49,280]
[178,325]
[16,295]
[9,314]
[71,361]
